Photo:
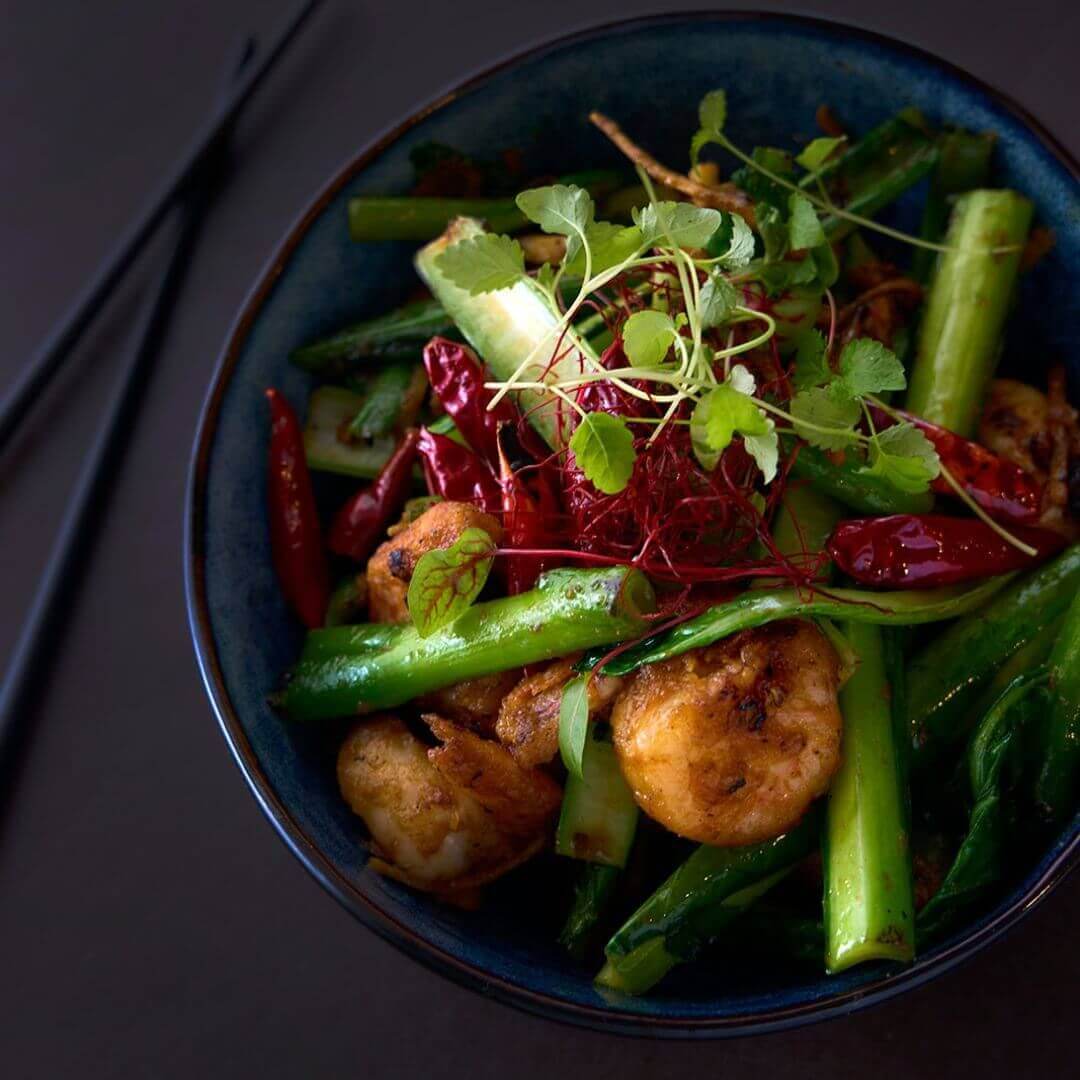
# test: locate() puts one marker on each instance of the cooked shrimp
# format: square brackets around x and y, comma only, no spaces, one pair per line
[528,721]
[474,703]
[435,821]
[390,568]
[730,744]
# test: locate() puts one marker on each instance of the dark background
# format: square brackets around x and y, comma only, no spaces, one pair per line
[151,922]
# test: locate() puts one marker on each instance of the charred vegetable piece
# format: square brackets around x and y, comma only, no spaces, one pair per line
[360,523]
[909,551]
[400,333]
[1057,786]
[568,610]
[457,473]
[869,906]
[959,339]
[946,678]
[295,535]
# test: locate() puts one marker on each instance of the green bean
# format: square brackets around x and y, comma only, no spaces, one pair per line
[959,338]
[852,484]
[398,334]
[1056,790]
[946,678]
[869,906]
[568,610]
[902,608]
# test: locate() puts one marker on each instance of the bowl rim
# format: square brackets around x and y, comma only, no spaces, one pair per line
[366,909]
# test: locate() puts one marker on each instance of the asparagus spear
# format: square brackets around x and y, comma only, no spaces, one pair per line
[869,906]
[568,610]
[1057,786]
[595,886]
[384,400]
[959,338]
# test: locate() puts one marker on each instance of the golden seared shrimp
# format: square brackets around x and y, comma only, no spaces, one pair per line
[730,744]
[528,723]
[445,819]
[474,703]
[1015,426]
[390,569]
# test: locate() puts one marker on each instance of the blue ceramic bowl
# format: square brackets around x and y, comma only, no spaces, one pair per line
[649,74]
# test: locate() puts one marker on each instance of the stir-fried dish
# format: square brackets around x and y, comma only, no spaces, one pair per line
[698,547]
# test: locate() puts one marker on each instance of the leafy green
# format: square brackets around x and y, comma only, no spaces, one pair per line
[804,228]
[574,723]
[712,115]
[717,302]
[867,367]
[609,245]
[681,224]
[647,337]
[603,447]
[732,243]
[562,209]
[905,457]
[729,409]
[824,421]
[817,151]
[446,581]
[761,188]
[483,263]
[811,364]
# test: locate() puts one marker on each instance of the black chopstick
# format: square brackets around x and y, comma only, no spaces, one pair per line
[52,352]
[65,559]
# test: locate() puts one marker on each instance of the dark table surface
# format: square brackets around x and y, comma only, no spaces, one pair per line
[151,922]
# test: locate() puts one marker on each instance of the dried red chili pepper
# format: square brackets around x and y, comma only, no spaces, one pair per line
[530,511]
[295,535]
[457,378]
[999,487]
[907,551]
[360,523]
[455,472]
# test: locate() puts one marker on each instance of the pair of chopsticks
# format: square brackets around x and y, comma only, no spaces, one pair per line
[186,192]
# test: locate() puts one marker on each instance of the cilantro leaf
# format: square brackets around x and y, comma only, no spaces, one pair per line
[867,367]
[681,224]
[483,263]
[761,188]
[712,112]
[609,245]
[905,457]
[804,228]
[718,300]
[817,152]
[603,448]
[446,581]
[712,115]
[723,411]
[647,337]
[574,723]
[811,365]
[765,450]
[817,408]
[563,209]
[732,243]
